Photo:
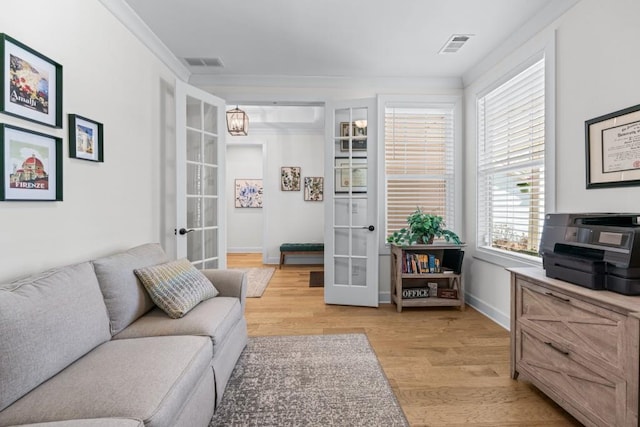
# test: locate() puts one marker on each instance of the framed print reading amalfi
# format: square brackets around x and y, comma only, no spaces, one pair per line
[31,84]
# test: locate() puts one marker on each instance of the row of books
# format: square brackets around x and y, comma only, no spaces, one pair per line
[419,263]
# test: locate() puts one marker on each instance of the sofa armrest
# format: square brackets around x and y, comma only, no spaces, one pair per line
[230,283]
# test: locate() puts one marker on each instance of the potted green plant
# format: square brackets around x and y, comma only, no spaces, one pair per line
[423,228]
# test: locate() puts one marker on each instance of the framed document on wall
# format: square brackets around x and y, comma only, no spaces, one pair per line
[613,149]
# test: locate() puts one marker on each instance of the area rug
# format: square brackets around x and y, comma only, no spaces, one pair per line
[313,380]
[257,280]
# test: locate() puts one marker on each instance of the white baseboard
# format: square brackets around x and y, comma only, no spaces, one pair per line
[384,297]
[244,250]
[489,311]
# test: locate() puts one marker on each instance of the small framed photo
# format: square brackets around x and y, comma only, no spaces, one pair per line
[351,175]
[313,188]
[31,165]
[358,137]
[31,84]
[613,149]
[290,178]
[85,139]
[249,193]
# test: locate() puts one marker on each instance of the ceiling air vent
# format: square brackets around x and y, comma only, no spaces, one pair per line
[204,62]
[454,43]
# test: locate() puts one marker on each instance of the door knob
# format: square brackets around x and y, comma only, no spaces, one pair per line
[370,228]
[184,231]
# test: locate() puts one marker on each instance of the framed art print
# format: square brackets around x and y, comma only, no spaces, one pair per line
[313,188]
[31,165]
[290,178]
[31,84]
[85,139]
[248,193]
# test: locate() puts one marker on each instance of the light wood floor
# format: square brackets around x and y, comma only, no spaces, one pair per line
[446,367]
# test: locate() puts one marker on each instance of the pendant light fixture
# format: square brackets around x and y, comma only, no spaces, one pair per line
[237,122]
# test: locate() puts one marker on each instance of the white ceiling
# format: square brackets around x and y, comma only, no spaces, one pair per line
[337,38]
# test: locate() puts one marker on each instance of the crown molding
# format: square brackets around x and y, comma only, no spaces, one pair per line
[130,19]
[340,82]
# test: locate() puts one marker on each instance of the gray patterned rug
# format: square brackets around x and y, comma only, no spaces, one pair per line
[257,280]
[313,380]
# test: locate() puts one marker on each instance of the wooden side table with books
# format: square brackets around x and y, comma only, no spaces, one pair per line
[427,276]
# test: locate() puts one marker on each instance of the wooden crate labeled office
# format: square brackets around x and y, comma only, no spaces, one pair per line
[427,276]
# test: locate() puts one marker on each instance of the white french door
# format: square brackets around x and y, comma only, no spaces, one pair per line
[200,207]
[351,240]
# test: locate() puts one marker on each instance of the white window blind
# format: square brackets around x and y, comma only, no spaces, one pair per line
[419,145]
[511,122]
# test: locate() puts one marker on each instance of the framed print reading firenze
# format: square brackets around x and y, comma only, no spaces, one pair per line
[31,165]
[613,149]
[31,84]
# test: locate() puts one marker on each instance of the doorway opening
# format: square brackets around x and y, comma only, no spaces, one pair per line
[281,139]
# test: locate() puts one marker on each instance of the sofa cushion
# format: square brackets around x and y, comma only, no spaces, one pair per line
[47,321]
[212,318]
[146,378]
[125,297]
[176,287]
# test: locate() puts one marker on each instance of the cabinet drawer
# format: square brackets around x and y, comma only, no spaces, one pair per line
[592,394]
[579,326]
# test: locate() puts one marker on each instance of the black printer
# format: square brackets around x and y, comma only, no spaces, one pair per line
[594,250]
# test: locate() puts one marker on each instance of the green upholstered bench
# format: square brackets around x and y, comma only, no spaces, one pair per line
[300,249]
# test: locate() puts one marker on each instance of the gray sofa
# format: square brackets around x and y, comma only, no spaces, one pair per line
[84,345]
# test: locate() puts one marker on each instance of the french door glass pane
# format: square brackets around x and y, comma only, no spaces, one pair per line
[194,175]
[194,153]
[194,245]
[341,207]
[210,181]
[341,241]
[211,264]
[210,150]
[210,118]
[194,212]
[359,242]
[210,243]
[211,207]
[341,271]
[194,113]
[358,272]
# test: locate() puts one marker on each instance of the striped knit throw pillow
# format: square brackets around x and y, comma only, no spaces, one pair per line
[176,287]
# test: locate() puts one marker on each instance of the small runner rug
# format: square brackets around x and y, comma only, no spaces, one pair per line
[257,280]
[313,380]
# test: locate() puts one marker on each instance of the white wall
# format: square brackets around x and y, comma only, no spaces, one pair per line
[290,218]
[596,73]
[109,77]
[244,225]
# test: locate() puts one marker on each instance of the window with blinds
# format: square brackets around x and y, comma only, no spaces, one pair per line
[419,171]
[511,122]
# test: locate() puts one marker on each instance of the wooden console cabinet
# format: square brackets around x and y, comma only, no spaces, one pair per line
[577,345]
[446,279]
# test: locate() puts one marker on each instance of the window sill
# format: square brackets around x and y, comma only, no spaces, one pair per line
[505,259]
